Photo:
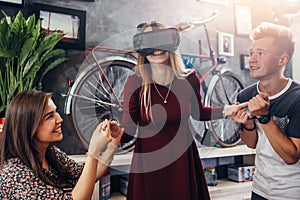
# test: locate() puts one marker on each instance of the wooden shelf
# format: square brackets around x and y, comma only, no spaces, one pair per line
[205,152]
[215,152]
[224,190]
[227,189]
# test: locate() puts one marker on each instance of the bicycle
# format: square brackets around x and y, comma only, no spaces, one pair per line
[97,92]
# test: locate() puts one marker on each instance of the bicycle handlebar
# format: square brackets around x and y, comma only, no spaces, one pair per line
[192,25]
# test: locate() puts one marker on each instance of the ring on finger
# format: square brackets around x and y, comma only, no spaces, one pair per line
[104,125]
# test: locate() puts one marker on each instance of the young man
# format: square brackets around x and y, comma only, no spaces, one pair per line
[271,120]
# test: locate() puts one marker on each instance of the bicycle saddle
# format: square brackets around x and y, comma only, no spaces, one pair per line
[159,39]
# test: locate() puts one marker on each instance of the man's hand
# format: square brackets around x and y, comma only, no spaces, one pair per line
[259,105]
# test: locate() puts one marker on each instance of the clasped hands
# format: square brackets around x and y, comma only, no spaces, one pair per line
[244,112]
[103,135]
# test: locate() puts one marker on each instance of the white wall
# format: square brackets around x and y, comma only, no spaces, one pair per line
[295,24]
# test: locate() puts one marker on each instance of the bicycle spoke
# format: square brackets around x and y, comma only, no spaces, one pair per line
[225,130]
[119,77]
[106,94]
[94,99]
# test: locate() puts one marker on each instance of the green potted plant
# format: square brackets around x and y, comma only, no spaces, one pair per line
[26,55]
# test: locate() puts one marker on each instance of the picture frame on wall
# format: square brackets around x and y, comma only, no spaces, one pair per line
[244,61]
[17,3]
[226,44]
[243,20]
[69,21]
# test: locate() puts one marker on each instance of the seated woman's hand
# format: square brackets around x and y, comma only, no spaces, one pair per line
[100,137]
[116,140]
[115,131]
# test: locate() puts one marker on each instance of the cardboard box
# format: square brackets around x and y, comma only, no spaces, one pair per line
[241,173]
[105,187]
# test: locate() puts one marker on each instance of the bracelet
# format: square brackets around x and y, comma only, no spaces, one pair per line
[106,158]
[92,155]
[108,155]
[243,127]
[223,112]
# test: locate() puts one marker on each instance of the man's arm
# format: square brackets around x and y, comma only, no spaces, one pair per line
[247,128]
[287,148]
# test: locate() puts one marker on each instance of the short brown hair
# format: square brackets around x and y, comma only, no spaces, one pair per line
[283,35]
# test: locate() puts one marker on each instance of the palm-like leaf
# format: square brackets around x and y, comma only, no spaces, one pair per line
[24,50]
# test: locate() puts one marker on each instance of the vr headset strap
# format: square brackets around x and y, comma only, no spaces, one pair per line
[154,26]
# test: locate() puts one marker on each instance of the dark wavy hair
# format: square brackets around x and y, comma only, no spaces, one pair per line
[22,119]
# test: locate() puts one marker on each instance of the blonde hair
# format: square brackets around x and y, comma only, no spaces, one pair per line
[283,35]
[143,69]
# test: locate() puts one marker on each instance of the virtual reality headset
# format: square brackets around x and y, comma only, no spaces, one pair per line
[160,39]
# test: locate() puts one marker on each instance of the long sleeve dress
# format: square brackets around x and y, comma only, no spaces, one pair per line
[166,162]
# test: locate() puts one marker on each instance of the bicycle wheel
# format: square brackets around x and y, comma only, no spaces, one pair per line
[90,99]
[197,127]
[224,131]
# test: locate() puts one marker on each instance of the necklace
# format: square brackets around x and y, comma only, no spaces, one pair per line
[166,97]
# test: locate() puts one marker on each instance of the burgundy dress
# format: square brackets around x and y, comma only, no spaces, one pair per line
[166,163]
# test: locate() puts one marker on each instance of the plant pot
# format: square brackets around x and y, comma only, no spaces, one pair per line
[2,120]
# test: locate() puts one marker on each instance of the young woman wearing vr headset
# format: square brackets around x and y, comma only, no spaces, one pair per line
[158,100]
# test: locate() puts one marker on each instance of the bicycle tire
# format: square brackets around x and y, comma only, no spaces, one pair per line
[224,131]
[196,127]
[89,94]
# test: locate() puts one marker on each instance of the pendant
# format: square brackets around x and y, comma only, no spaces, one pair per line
[165,101]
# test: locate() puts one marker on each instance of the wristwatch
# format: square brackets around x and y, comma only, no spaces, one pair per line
[264,119]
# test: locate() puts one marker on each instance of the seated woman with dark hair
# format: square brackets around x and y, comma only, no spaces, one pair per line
[32,168]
